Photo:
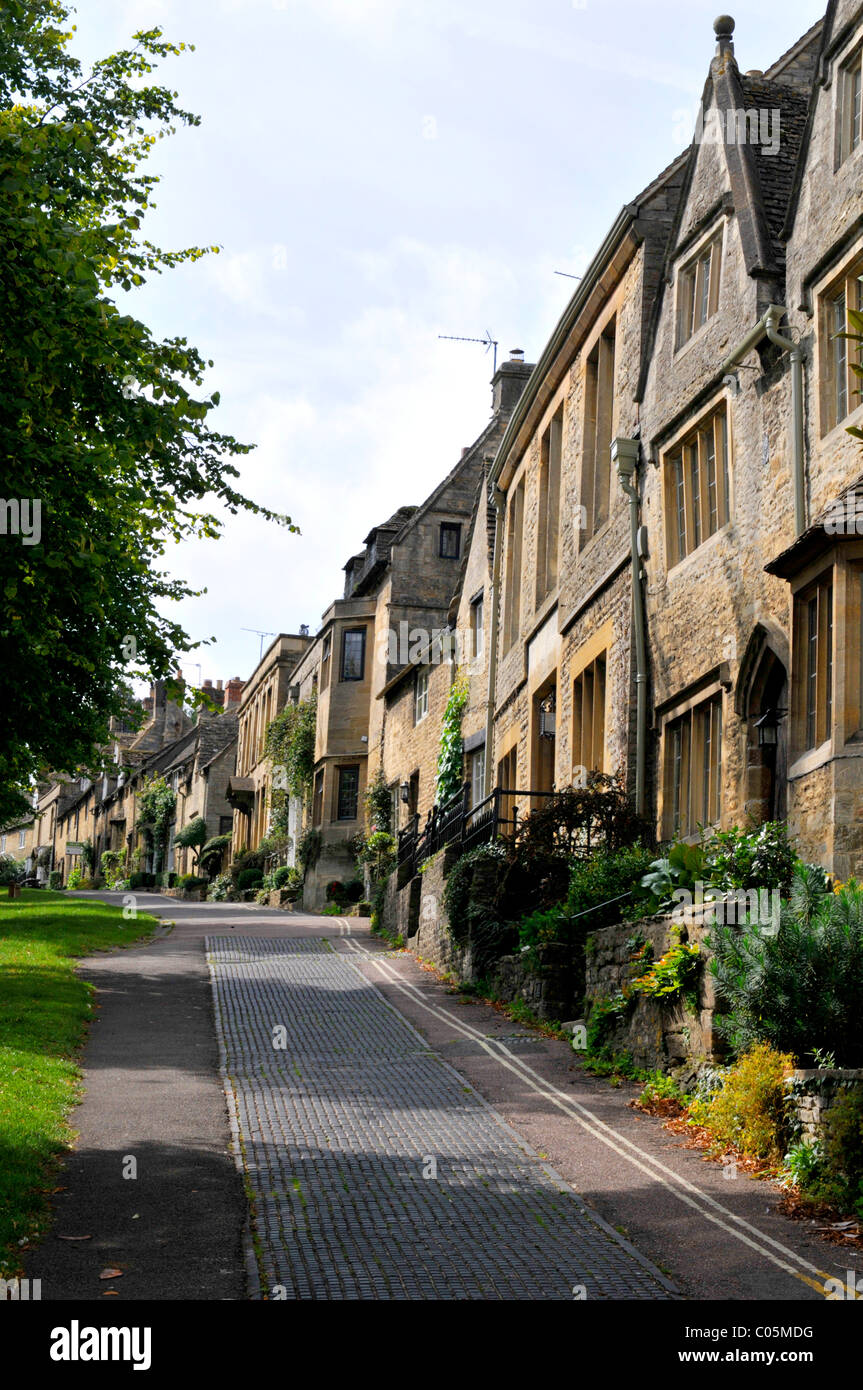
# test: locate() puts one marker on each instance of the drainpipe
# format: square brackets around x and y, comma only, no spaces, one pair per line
[624,456]
[497,498]
[767,326]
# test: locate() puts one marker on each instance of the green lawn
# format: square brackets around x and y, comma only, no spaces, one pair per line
[44,1011]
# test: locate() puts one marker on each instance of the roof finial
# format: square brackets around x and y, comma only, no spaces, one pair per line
[723,28]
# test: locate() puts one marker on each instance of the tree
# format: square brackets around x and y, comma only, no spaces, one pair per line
[193,836]
[107,454]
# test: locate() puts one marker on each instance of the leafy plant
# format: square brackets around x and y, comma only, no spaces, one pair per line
[456,893]
[670,976]
[309,848]
[248,879]
[193,836]
[290,743]
[605,1013]
[221,888]
[213,852]
[10,870]
[682,867]
[189,882]
[108,426]
[450,756]
[110,864]
[74,880]
[752,1111]
[379,804]
[801,987]
[596,886]
[157,807]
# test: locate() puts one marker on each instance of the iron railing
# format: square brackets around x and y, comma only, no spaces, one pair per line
[501,813]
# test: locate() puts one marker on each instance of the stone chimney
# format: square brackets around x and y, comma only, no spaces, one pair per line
[233,693]
[509,381]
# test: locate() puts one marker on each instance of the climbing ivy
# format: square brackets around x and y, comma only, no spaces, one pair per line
[379,805]
[157,807]
[450,759]
[290,743]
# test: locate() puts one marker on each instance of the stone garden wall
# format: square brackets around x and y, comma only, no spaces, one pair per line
[655,1033]
[815,1092]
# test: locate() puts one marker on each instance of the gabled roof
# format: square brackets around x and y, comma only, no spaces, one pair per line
[762,184]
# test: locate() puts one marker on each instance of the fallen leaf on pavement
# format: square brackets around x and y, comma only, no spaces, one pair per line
[111,1274]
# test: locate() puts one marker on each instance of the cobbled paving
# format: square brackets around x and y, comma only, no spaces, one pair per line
[342,1128]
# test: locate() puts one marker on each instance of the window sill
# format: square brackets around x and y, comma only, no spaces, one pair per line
[682,348]
[698,551]
[810,760]
[854,417]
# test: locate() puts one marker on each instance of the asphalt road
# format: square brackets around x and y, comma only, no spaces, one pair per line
[178,1229]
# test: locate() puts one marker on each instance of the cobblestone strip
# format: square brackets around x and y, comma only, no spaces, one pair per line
[376,1171]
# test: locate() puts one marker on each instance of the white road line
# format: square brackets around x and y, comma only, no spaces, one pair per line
[680,1187]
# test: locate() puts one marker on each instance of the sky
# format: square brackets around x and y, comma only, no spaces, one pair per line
[377,173]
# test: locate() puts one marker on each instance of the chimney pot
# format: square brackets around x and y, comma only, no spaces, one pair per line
[516,354]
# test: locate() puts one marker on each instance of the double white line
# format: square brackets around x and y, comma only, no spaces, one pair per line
[701,1202]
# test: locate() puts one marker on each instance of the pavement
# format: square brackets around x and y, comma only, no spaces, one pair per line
[309,1115]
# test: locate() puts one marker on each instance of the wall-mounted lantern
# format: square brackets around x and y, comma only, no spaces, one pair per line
[768,727]
[548,715]
[405,792]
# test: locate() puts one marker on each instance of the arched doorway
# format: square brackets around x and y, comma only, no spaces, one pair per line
[762,702]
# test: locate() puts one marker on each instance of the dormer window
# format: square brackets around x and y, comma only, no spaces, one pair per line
[849,110]
[698,289]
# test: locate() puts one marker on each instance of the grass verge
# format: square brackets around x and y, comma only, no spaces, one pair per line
[45,1008]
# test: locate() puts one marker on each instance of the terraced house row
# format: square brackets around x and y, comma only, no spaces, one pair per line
[651,561]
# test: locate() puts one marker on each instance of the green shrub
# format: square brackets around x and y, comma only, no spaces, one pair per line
[55,879]
[798,988]
[74,880]
[670,976]
[354,890]
[249,878]
[142,880]
[725,860]
[282,876]
[751,1111]
[842,1182]
[10,870]
[592,883]
[213,851]
[221,888]
[331,910]
[190,881]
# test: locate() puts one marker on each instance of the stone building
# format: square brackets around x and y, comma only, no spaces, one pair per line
[752,600]
[676,589]
[561,686]
[336,671]
[263,696]
[447,635]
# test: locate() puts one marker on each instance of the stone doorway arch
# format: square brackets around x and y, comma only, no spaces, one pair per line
[762,686]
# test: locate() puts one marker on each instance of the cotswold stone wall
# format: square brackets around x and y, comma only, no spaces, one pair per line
[654,1033]
[814,1093]
[547,982]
